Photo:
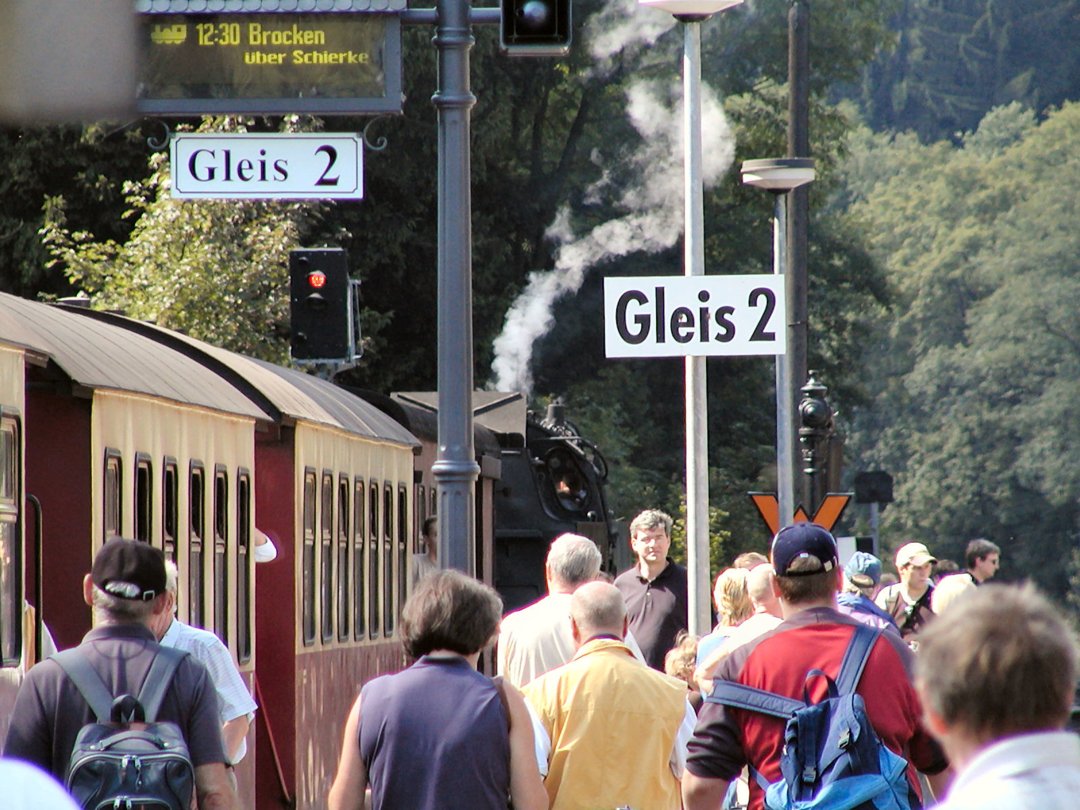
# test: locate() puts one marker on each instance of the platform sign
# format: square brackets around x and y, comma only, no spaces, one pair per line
[679,316]
[271,166]
[258,62]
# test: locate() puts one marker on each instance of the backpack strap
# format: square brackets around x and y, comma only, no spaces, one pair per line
[741,696]
[97,693]
[855,657]
[158,679]
[86,679]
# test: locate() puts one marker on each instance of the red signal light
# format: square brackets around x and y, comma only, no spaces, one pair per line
[316,279]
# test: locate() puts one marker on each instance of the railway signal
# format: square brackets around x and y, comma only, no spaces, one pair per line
[535,27]
[324,306]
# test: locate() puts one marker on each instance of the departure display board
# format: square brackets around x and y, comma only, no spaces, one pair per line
[343,63]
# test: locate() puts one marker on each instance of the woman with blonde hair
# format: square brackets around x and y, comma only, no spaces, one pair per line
[733,607]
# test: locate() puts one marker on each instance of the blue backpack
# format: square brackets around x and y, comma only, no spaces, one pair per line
[832,757]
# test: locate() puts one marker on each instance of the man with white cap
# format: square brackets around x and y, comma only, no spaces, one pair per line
[908,601]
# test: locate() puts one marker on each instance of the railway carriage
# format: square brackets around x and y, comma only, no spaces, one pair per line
[333,490]
[113,427]
[118,439]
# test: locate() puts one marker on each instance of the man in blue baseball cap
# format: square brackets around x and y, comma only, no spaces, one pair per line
[861,577]
[813,635]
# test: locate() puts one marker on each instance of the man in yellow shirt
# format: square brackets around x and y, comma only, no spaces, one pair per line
[614,731]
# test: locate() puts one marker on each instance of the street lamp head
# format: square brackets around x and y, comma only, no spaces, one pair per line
[778,174]
[691,10]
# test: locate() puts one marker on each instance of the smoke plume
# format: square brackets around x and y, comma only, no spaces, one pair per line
[652,203]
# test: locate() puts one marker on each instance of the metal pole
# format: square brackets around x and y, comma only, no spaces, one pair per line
[455,468]
[875,527]
[697,423]
[798,214]
[785,387]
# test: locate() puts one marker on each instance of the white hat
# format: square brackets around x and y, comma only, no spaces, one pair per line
[913,554]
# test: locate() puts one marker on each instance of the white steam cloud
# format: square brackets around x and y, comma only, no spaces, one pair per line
[653,205]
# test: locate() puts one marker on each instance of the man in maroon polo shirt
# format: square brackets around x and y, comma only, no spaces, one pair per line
[814,634]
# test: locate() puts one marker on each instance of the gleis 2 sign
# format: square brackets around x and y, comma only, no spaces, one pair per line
[678,316]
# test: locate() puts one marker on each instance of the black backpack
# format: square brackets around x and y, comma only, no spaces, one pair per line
[126,759]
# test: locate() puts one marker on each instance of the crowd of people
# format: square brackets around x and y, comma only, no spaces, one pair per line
[602,698]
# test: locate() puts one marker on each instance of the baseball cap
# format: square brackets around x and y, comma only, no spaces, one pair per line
[863,570]
[913,554]
[129,569]
[803,540]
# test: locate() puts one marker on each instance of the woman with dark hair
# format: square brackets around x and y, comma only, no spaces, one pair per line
[439,734]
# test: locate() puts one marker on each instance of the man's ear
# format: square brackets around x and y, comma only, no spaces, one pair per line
[162,603]
[931,719]
[88,590]
[575,631]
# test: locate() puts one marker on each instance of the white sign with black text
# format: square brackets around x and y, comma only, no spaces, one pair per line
[289,166]
[679,316]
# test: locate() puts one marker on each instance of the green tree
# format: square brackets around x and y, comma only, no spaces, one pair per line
[216,270]
[978,366]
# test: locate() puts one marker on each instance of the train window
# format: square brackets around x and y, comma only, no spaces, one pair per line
[221,553]
[388,561]
[243,565]
[112,515]
[169,513]
[374,547]
[402,544]
[358,551]
[144,496]
[196,533]
[11,594]
[343,569]
[326,558]
[434,501]
[307,595]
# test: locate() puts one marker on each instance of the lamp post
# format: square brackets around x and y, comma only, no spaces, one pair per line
[780,176]
[692,13]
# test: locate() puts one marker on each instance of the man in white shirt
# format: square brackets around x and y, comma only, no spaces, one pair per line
[537,638]
[235,702]
[427,561]
[997,675]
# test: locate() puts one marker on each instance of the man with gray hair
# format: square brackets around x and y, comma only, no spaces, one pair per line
[537,638]
[997,674]
[612,731]
[126,588]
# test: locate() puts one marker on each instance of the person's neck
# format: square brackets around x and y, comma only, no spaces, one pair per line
[974,576]
[913,591]
[787,609]
[651,572]
[555,587]
[450,654]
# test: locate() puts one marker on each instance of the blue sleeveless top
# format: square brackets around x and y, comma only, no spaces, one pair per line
[435,737]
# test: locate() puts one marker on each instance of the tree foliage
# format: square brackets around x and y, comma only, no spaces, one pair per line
[977,368]
[551,144]
[216,270]
[955,61]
